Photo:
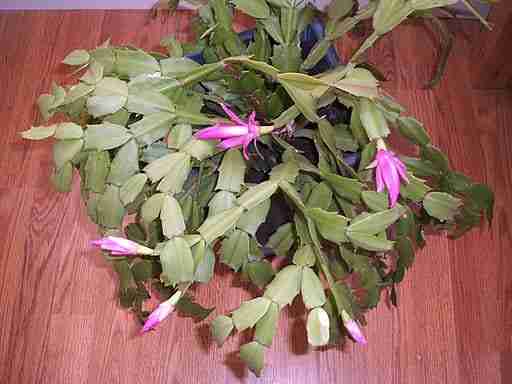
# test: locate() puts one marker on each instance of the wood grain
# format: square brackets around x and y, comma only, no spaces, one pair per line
[60,321]
[491,50]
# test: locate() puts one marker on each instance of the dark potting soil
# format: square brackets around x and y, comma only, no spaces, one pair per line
[269,156]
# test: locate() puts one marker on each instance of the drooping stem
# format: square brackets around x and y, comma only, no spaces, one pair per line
[322,261]
[324,265]
[368,43]
[446,48]
[266,129]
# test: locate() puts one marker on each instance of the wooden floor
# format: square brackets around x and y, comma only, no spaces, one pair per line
[59,322]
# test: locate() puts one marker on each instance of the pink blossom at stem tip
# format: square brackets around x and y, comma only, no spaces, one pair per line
[238,133]
[353,328]
[161,313]
[388,174]
[118,246]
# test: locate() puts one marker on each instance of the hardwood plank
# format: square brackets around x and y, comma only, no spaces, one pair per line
[491,51]
[65,353]
[11,248]
[32,270]
[415,56]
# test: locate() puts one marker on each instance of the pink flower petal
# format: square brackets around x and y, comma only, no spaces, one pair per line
[392,181]
[150,324]
[122,242]
[355,332]
[402,170]
[221,131]
[116,245]
[232,142]
[232,115]
[382,155]
[95,243]
[253,125]
[158,315]
[247,141]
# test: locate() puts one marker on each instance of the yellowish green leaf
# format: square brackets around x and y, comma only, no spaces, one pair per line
[312,289]
[250,312]
[77,57]
[132,188]
[285,286]
[39,133]
[318,325]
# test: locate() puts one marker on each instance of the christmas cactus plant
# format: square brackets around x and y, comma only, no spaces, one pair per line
[242,146]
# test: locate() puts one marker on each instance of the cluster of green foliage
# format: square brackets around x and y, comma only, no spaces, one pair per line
[132,117]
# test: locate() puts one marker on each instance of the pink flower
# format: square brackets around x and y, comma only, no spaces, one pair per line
[119,246]
[161,312]
[388,174]
[353,328]
[238,133]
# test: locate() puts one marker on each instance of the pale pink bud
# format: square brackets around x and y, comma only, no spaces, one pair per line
[161,312]
[120,246]
[353,328]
